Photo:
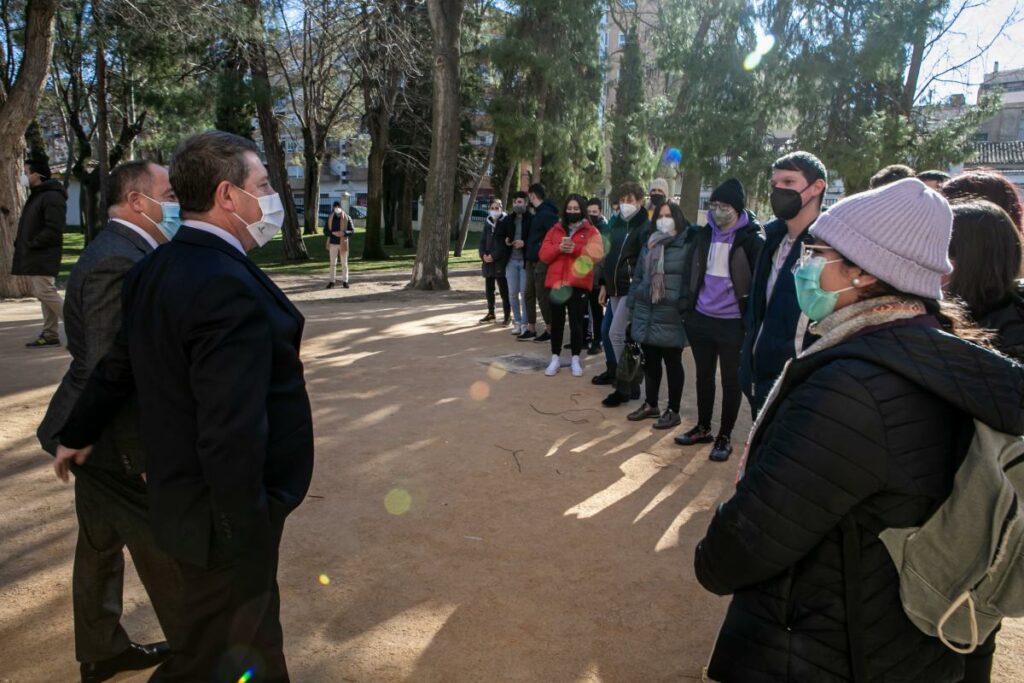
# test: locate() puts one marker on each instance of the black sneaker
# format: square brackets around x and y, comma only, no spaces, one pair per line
[721,450]
[543,337]
[595,348]
[41,342]
[699,434]
[668,420]
[644,412]
[489,318]
[527,336]
[605,378]
[330,285]
[614,400]
[345,285]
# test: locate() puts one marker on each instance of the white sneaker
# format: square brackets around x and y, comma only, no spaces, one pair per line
[577,369]
[517,330]
[553,366]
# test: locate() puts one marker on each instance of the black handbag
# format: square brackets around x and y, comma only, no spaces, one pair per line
[630,369]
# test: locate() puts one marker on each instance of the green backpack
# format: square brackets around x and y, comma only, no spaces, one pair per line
[963,570]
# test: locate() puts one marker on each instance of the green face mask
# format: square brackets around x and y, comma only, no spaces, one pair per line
[815,302]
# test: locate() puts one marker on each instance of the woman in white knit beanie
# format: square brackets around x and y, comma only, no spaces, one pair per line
[864,431]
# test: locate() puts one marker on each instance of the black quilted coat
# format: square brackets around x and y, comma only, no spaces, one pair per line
[864,436]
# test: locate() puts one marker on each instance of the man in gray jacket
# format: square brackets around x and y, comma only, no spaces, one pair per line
[110,491]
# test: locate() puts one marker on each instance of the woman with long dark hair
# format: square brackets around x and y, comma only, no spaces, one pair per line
[986,255]
[990,185]
[863,432]
[656,300]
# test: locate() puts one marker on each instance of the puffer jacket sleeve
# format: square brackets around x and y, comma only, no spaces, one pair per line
[50,230]
[549,251]
[827,452]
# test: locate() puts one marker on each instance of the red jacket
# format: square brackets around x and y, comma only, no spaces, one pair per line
[575,269]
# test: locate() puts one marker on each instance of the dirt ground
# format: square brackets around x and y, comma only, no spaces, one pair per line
[467,521]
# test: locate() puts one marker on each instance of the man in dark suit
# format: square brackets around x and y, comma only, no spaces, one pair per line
[110,494]
[212,347]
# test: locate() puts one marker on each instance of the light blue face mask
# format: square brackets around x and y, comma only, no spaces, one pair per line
[815,302]
[170,219]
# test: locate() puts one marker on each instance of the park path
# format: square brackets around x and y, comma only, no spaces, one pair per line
[469,519]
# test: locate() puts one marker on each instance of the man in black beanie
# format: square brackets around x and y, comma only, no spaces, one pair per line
[38,245]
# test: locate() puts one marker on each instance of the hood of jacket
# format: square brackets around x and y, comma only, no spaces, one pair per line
[50,185]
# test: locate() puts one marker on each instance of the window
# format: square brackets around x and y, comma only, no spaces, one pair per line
[622,39]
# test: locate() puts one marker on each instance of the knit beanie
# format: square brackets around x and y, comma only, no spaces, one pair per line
[39,166]
[660,184]
[731,192]
[899,233]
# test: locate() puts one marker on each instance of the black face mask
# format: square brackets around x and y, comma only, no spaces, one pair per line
[786,204]
[657,200]
[573,217]
[594,218]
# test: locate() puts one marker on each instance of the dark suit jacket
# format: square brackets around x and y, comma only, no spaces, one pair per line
[212,346]
[92,317]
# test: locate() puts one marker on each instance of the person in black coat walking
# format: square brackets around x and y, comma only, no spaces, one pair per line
[986,255]
[211,347]
[864,431]
[494,255]
[717,286]
[39,243]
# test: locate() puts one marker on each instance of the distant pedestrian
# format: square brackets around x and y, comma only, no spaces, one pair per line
[513,231]
[545,216]
[595,215]
[38,246]
[338,228]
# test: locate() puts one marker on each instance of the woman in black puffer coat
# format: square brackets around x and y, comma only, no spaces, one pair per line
[494,255]
[864,431]
[986,255]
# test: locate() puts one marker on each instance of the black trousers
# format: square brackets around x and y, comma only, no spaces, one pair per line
[654,357]
[232,615]
[506,304]
[596,317]
[113,514]
[574,302]
[716,343]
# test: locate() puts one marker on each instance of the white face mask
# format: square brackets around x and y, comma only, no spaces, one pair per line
[666,225]
[337,212]
[264,230]
[24,181]
[494,214]
[628,210]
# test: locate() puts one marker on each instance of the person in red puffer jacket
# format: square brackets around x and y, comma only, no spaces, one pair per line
[571,249]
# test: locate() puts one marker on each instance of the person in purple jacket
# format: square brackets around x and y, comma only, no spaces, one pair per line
[723,256]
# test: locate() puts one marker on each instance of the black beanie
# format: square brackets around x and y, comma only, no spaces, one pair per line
[39,166]
[731,192]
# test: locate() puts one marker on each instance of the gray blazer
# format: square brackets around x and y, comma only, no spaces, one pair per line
[92,317]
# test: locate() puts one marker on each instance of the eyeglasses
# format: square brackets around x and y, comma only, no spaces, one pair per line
[810,251]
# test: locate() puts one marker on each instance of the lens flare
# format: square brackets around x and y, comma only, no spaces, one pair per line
[496,371]
[325,580]
[582,266]
[397,502]
[765,43]
[560,294]
[480,391]
[673,156]
[247,676]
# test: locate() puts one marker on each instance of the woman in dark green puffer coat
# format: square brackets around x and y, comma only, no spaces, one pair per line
[655,298]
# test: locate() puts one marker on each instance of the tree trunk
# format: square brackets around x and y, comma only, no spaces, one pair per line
[380,132]
[16,111]
[294,247]
[102,124]
[464,228]
[689,194]
[390,205]
[312,157]
[506,189]
[538,150]
[405,211]
[431,268]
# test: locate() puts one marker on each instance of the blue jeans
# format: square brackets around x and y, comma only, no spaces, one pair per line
[515,273]
[606,341]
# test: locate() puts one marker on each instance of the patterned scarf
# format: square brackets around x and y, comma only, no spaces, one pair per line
[655,263]
[834,330]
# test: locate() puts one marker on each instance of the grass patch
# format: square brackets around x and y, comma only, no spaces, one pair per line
[271,257]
